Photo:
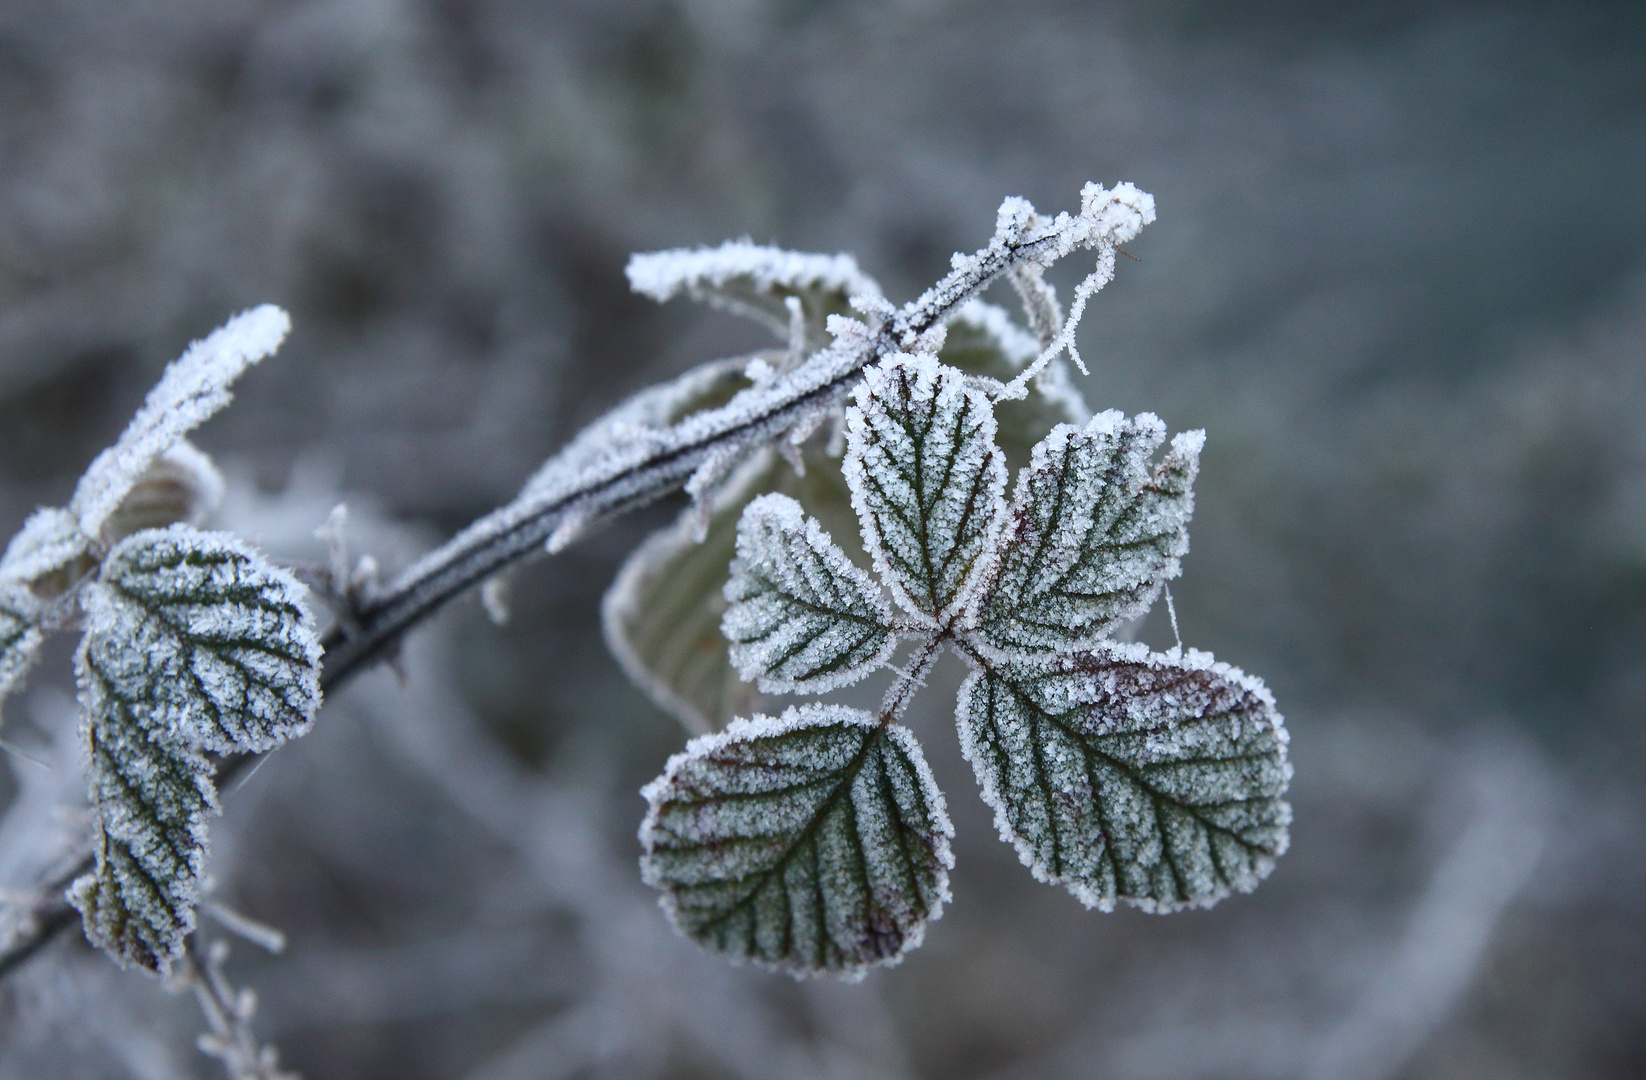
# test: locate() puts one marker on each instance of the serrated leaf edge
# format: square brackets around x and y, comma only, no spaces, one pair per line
[1191,660]
[945,381]
[786,514]
[762,726]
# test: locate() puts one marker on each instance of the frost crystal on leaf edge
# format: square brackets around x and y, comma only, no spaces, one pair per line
[926,479]
[195,386]
[824,915]
[1094,531]
[801,616]
[209,638]
[1088,760]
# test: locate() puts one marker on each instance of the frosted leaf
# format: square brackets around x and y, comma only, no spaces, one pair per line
[20,635]
[1095,529]
[203,640]
[151,796]
[50,544]
[926,481]
[1126,775]
[755,281]
[801,617]
[195,386]
[815,842]
[662,614]
[180,486]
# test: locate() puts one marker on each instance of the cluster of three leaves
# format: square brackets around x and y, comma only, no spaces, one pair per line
[818,841]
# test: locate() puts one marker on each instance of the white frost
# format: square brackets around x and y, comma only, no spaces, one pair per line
[48,541]
[926,479]
[195,386]
[1095,530]
[20,636]
[737,274]
[800,616]
[203,640]
[815,842]
[1121,774]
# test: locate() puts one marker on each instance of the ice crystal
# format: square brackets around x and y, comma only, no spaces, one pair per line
[151,794]
[801,616]
[193,643]
[637,422]
[194,387]
[206,640]
[757,281]
[926,478]
[813,842]
[49,542]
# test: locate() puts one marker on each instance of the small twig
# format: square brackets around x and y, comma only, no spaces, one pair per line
[229,1013]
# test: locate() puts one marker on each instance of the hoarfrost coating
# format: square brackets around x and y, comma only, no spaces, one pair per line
[1093,533]
[812,842]
[1125,775]
[194,387]
[193,643]
[926,480]
[801,617]
[608,478]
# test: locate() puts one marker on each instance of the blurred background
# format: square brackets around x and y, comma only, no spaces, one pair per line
[1399,276]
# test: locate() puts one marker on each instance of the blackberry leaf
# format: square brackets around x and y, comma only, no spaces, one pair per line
[1125,775]
[926,481]
[206,642]
[1095,530]
[815,842]
[801,617]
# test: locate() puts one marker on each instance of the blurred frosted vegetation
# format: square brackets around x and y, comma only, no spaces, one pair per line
[1398,277]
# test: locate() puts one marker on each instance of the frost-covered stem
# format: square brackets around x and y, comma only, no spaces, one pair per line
[665,463]
[1040,306]
[762,414]
[911,678]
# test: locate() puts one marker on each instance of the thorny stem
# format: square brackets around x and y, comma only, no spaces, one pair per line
[515,532]
[520,529]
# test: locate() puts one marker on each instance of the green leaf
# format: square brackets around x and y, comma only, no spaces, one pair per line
[1126,775]
[151,796]
[20,635]
[662,614]
[202,640]
[801,617]
[815,842]
[1095,529]
[926,481]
